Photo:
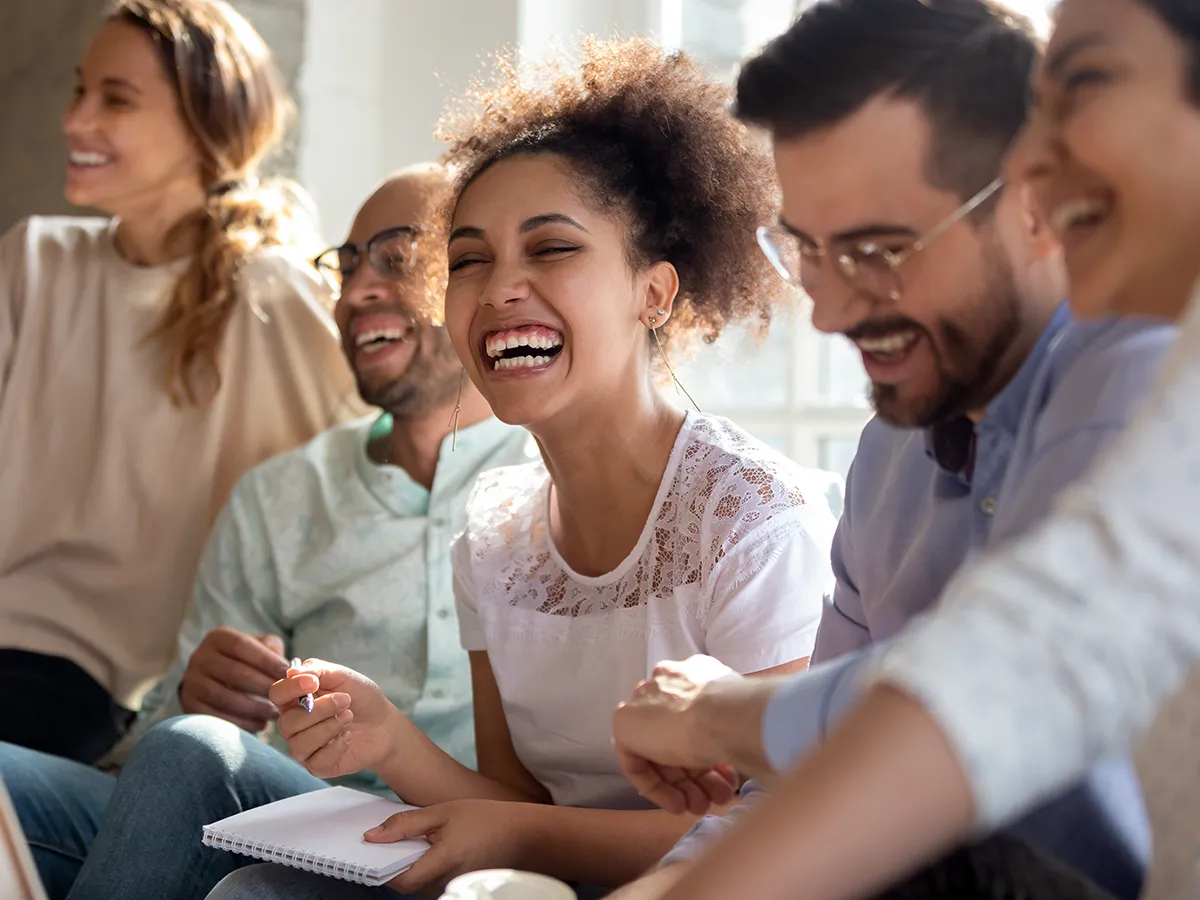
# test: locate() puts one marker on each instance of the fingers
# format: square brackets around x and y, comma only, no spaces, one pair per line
[407,824]
[200,690]
[433,868]
[239,675]
[272,642]
[286,693]
[308,732]
[649,782]
[250,651]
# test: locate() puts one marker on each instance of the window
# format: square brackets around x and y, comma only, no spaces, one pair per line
[798,391]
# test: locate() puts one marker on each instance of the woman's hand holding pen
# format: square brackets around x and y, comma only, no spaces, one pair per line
[350,727]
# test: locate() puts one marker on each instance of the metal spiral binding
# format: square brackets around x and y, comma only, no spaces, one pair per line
[311,862]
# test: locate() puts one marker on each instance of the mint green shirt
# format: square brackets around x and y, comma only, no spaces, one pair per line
[349,561]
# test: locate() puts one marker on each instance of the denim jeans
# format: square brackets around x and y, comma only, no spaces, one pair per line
[60,804]
[183,774]
[1000,868]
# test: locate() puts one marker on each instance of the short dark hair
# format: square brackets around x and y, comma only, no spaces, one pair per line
[1183,18]
[968,63]
[650,137]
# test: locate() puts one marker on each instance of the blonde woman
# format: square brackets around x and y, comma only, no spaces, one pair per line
[146,360]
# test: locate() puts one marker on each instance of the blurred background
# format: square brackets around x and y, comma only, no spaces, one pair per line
[370,78]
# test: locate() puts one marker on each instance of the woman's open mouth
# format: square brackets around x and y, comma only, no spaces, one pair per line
[527,348]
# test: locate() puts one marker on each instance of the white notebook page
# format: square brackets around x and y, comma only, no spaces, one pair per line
[326,824]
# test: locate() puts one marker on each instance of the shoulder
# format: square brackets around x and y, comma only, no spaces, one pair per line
[58,237]
[739,485]
[1097,373]
[280,486]
[886,455]
[281,280]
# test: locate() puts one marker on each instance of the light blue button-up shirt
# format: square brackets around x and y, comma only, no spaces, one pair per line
[349,561]
[921,503]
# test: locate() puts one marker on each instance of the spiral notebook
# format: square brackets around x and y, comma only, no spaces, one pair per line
[320,832]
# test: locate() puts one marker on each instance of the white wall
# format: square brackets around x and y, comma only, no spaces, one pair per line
[376,76]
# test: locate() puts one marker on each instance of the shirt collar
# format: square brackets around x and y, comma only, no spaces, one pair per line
[951,444]
[393,487]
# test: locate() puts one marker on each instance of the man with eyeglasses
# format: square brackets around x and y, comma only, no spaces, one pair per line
[890,120]
[338,549]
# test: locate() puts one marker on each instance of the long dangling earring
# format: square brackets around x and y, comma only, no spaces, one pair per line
[667,362]
[462,374]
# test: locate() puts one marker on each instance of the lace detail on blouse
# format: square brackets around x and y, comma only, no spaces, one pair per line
[721,485]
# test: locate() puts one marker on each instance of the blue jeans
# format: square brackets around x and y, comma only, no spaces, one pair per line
[184,774]
[60,804]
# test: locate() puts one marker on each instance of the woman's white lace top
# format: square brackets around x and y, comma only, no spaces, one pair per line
[732,562]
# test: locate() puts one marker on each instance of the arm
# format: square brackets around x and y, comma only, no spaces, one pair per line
[843,627]
[12,246]
[1049,652]
[235,588]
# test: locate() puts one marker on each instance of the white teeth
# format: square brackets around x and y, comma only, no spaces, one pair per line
[523,362]
[497,344]
[892,343]
[80,158]
[1076,212]
[386,334]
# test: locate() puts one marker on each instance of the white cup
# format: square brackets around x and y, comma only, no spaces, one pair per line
[506,884]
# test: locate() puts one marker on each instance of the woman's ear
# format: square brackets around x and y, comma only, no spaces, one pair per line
[662,285]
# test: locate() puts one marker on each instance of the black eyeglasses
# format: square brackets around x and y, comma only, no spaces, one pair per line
[391,253]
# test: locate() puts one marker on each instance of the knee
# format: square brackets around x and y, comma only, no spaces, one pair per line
[257,882]
[191,745]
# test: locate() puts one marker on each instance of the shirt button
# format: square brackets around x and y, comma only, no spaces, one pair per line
[987,506]
[437,522]
[443,613]
[437,693]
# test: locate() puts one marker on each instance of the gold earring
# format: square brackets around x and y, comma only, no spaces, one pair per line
[667,362]
[462,374]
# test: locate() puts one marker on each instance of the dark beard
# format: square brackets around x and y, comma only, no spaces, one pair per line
[999,307]
[431,379]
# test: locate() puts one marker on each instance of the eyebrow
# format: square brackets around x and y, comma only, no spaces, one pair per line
[863,232]
[1059,59]
[111,82]
[533,223]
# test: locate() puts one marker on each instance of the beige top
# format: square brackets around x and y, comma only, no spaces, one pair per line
[108,490]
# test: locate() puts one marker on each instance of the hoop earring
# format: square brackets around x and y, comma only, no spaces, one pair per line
[462,374]
[667,362]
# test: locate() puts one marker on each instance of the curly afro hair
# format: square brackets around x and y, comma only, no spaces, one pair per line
[651,138]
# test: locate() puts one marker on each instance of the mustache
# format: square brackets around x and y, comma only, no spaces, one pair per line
[411,330]
[878,328]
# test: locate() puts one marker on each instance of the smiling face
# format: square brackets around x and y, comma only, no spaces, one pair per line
[401,363]
[543,306]
[1111,156]
[128,143]
[950,339]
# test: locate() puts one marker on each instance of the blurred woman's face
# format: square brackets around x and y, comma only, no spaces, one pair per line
[1111,153]
[128,143]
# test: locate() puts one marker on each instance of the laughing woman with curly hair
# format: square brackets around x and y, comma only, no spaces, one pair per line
[598,214]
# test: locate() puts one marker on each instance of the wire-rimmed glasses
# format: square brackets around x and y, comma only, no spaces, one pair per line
[390,252]
[866,265]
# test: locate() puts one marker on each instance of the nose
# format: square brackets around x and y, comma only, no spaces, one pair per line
[506,283]
[364,287]
[78,118]
[836,306]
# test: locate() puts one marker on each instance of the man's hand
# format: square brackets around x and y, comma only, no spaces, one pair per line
[687,729]
[229,674]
